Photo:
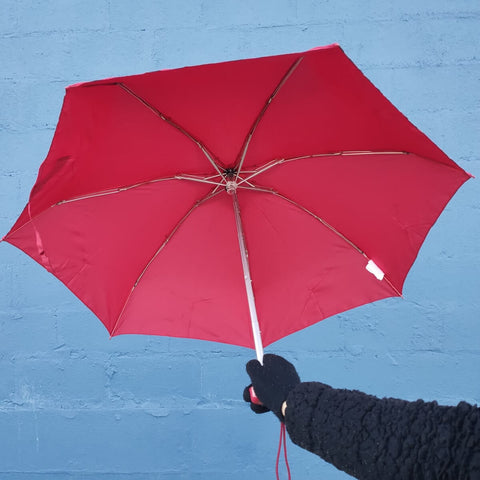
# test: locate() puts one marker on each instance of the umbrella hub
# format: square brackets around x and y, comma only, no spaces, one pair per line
[231,177]
[231,186]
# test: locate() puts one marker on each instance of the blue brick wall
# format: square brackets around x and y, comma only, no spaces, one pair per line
[76,405]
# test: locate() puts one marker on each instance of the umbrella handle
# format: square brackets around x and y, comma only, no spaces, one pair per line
[253,396]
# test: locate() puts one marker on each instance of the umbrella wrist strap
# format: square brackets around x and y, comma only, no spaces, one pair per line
[282,443]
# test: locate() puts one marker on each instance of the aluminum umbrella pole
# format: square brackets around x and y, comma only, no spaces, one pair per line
[231,187]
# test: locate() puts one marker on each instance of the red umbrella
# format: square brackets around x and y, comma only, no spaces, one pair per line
[270,192]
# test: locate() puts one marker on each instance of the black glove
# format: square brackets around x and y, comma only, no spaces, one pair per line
[272,383]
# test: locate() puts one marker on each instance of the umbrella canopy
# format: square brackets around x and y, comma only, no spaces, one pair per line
[192,202]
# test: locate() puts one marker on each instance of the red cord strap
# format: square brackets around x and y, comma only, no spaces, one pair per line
[283,441]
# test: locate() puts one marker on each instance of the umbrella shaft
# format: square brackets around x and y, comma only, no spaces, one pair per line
[248,280]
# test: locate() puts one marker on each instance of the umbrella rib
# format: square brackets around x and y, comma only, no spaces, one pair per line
[191,178]
[326,224]
[194,178]
[262,113]
[245,180]
[113,191]
[92,195]
[274,163]
[309,212]
[162,246]
[168,120]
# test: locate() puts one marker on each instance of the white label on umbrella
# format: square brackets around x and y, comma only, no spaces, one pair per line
[374,270]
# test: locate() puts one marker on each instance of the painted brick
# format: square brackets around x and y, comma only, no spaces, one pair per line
[117,440]
[153,377]
[269,13]
[42,113]
[354,12]
[73,57]
[150,15]
[36,15]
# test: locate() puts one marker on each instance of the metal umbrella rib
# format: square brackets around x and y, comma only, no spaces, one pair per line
[174,124]
[262,113]
[158,251]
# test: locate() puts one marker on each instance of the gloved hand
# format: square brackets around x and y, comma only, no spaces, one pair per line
[272,383]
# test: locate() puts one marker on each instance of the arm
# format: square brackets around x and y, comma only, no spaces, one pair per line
[372,438]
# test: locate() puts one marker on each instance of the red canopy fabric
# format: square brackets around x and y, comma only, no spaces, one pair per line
[131,213]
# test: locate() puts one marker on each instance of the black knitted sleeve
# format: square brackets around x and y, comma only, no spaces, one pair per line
[373,439]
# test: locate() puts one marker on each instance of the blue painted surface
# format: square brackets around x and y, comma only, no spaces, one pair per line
[76,405]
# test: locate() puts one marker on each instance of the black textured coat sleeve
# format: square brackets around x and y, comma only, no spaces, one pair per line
[379,439]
